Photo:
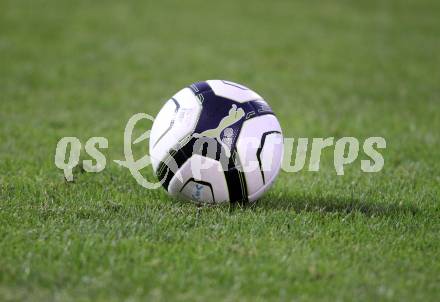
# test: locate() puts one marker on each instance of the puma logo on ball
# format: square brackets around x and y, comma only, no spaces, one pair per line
[234,116]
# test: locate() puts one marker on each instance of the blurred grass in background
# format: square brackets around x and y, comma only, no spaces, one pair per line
[336,68]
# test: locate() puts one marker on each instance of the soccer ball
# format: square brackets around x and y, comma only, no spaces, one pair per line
[216,141]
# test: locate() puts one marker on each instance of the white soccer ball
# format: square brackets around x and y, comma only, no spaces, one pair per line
[216,141]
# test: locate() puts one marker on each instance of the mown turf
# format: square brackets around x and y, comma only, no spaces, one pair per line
[339,68]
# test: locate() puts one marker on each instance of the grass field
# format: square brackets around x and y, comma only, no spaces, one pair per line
[336,68]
